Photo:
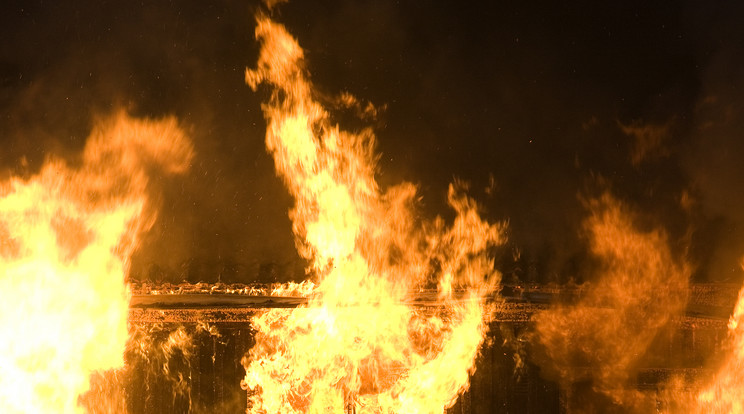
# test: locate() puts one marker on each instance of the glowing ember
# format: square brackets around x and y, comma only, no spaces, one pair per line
[66,237]
[356,345]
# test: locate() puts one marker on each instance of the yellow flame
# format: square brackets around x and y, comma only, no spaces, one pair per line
[356,344]
[66,236]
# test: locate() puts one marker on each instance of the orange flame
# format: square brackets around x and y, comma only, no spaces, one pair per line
[725,393]
[66,237]
[640,289]
[357,344]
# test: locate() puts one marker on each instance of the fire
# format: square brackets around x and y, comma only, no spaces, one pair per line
[641,288]
[357,344]
[66,237]
[725,393]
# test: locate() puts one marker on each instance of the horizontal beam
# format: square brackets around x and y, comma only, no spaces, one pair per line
[709,305]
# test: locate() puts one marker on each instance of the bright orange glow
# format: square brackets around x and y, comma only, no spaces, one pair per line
[357,344]
[66,236]
[725,393]
[640,288]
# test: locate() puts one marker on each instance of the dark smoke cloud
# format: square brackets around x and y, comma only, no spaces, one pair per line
[527,102]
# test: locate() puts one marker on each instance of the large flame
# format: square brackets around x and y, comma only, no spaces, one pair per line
[66,237]
[357,344]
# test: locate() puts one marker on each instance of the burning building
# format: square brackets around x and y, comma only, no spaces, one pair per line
[585,258]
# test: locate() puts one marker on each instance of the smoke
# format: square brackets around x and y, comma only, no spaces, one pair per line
[535,104]
[63,66]
[490,93]
[536,97]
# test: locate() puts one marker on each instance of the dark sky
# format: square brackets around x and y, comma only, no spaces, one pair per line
[542,103]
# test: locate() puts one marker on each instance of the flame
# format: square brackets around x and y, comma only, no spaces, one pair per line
[66,238]
[725,392]
[357,344]
[641,288]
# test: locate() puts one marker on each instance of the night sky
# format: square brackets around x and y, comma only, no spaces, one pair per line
[537,105]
